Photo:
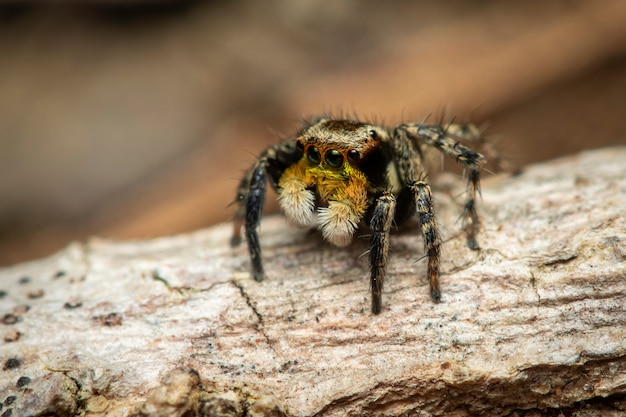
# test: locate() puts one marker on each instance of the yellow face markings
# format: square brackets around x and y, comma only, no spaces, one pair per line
[328,181]
[345,183]
[342,192]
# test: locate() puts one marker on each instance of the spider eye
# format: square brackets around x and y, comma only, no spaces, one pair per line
[354,155]
[334,158]
[373,134]
[299,145]
[314,155]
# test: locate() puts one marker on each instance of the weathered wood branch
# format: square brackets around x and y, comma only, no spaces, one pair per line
[534,320]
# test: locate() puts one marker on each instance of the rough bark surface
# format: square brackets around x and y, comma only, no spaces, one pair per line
[535,320]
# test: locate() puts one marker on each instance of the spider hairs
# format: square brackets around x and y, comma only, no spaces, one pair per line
[337,174]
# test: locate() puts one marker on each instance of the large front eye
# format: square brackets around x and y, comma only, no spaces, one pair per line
[314,155]
[334,158]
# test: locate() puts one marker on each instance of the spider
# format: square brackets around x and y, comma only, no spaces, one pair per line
[337,174]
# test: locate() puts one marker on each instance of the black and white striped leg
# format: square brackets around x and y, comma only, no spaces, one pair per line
[437,136]
[380,226]
[430,231]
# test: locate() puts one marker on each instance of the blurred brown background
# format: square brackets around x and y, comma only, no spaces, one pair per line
[134,120]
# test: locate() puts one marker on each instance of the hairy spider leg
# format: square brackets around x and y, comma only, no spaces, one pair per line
[380,225]
[251,197]
[430,231]
[469,132]
[436,136]
[410,168]
[248,211]
[254,208]
[464,131]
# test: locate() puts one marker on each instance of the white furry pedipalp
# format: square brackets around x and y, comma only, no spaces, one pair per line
[297,202]
[337,222]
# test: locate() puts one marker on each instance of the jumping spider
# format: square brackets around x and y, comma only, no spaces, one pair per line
[337,174]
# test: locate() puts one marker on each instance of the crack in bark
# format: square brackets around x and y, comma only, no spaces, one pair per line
[260,324]
[157,277]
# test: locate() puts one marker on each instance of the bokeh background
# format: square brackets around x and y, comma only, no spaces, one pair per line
[131,120]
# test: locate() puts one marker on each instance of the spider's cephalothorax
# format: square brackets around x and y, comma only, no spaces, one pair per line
[337,174]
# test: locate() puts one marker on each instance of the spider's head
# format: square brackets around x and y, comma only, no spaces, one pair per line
[332,145]
[330,177]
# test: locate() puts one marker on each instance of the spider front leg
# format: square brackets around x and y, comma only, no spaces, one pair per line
[250,199]
[437,136]
[251,196]
[380,226]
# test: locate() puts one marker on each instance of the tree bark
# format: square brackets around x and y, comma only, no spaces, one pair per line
[534,322]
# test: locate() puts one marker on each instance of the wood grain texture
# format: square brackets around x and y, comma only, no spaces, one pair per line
[535,320]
